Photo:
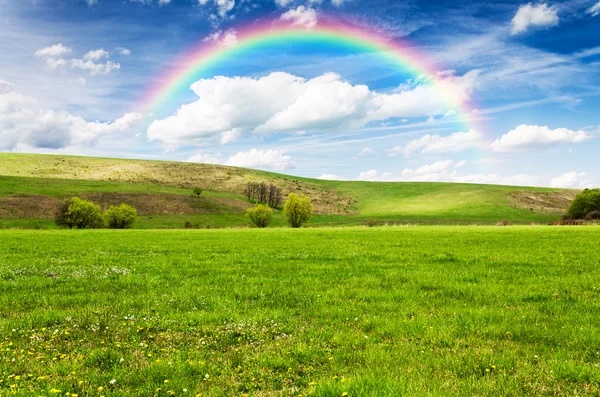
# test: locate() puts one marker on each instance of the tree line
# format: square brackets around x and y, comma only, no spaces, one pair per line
[263,193]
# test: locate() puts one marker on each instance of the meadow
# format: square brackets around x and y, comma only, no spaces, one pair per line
[387,311]
[32,186]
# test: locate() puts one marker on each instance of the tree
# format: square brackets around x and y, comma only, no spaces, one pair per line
[121,217]
[263,193]
[198,191]
[584,203]
[80,214]
[260,216]
[60,217]
[297,210]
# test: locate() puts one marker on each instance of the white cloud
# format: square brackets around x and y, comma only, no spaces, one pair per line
[594,10]
[229,107]
[206,158]
[534,137]
[539,16]
[370,175]
[330,177]
[268,158]
[124,51]
[447,171]
[437,144]
[223,6]
[24,124]
[226,38]
[55,51]
[96,55]
[366,150]
[575,180]
[91,2]
[301,16]
[95,68]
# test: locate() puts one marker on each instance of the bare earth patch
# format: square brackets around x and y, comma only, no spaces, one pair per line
[543,202]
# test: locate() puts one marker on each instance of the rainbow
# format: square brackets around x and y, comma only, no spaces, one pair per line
[200,57]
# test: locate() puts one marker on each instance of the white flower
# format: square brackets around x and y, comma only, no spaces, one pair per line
[206,376]
[113,381]
[121,360]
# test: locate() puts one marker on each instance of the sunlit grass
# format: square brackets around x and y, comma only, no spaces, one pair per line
[313,312]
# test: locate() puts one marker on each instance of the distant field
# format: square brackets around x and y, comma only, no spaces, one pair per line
[436,311]
[31,186]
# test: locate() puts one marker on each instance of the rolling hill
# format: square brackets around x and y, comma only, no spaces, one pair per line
[31,186]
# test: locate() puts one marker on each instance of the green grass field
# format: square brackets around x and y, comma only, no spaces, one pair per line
[31,186]
[434,311]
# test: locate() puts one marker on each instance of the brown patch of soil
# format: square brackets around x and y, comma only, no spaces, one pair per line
[556,202]
[168,204]
[28,206]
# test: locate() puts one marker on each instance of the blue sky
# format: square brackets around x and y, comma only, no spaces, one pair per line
[72,73]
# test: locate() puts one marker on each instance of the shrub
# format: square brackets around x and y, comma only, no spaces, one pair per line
[198,191]
[593,216]
[121,217]
[260,216]
[297,210]
[584,203]
[192,225]
[60,217]
[372,222]
[502,223]
[80,214]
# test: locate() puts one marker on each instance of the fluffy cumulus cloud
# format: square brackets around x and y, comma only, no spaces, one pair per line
[594,10]
[534,16]
[223,6]
[438,144]
[96,55]
[229,107]
[526,137]
[268,158]
[54,55]
[226,38]
[449,171]
[206,158]
[301,16]
[330,177]
[574,180]
[23,124]
[91,62]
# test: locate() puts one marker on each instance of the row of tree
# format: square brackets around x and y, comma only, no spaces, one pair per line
[263,193]
[80,214]
[297,210]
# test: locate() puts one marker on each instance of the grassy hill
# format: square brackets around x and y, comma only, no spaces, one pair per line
[31,186]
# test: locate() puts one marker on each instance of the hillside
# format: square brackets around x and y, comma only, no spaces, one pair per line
[31,186]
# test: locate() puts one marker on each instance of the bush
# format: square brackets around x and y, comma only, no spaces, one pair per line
[198,191]
[585,202]
[80,214]
[192,225]
[372,222]
[260,216]
[60,218]
[502,223]
[593,216]
[121,217]
[297,210]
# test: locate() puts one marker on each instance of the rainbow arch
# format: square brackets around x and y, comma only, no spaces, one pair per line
[205,54]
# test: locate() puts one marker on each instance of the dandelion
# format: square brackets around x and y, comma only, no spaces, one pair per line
[344,394]
[166,381]
[100,388]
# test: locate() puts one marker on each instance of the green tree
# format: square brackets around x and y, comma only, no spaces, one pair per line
[198,191]
[121,217]
[80,214]
[584,203]
[297,210]
[260,216]
[60,217]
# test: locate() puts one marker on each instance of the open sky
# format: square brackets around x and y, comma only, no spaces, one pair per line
[510,94]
